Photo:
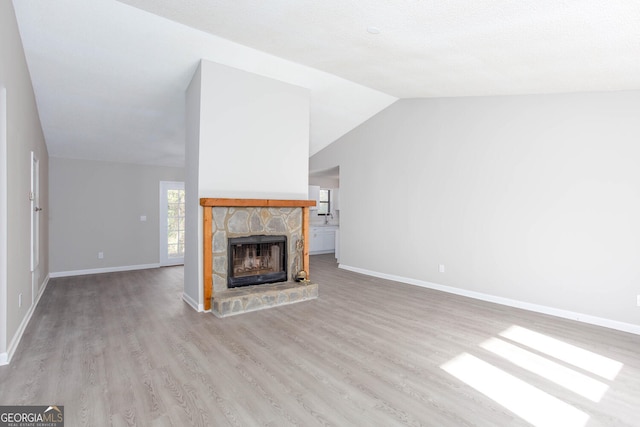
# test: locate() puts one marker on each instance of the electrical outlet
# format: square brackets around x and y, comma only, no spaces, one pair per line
[441,268]
[100,255]
[143,218]
[19,300]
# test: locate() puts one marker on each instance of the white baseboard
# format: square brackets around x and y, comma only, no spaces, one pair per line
[193,303]
[103,270]
[565,314]
[5,358]
[331,251]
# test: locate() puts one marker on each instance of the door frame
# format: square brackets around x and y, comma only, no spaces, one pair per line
[4,253]
[34,197]
[164,259]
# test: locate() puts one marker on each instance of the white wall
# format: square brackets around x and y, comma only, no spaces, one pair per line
[96,207]
[193,212]
[251,137]
[529,198]
[23,135]
[254,135]
[324,181]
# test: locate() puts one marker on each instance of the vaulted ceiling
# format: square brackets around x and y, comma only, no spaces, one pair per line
[110,76]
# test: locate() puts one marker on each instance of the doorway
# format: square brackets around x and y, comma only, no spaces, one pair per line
[326,184]
[172,210]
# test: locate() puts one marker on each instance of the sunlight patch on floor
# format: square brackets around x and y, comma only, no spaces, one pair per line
[546,357]
[602,366]
[568,378]
[526,401]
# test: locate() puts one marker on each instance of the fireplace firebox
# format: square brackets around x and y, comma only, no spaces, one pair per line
[256,260]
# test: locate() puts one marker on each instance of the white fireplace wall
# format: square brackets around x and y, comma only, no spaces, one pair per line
[247,137]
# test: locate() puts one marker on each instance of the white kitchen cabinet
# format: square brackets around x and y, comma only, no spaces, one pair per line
[335,199]
[322,240]
[314,194]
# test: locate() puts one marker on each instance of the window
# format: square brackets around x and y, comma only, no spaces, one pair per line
[175,223]
[324,204]
[172,229]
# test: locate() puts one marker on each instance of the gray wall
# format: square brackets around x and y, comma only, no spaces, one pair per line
[530,198]
[96,206]
[23,135]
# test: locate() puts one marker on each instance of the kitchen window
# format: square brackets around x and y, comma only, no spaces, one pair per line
[324,203]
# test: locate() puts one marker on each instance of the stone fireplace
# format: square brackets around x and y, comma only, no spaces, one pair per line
[242,224]
[253,252]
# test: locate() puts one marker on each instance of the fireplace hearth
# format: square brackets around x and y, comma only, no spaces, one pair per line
[256,260]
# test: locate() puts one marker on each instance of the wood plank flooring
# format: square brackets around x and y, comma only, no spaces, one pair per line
[123,349]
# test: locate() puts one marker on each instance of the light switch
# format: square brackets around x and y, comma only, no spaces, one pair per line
[143,217]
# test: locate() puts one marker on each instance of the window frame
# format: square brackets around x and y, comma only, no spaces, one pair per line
[324,202]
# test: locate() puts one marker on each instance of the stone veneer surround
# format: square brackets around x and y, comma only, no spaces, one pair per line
[229,222]
[226,218]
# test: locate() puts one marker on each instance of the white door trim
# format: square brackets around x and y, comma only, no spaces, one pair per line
[164,187]
[35,205]
[35,225]
[4,253]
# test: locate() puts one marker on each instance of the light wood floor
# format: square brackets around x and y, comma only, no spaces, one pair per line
[124,349]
